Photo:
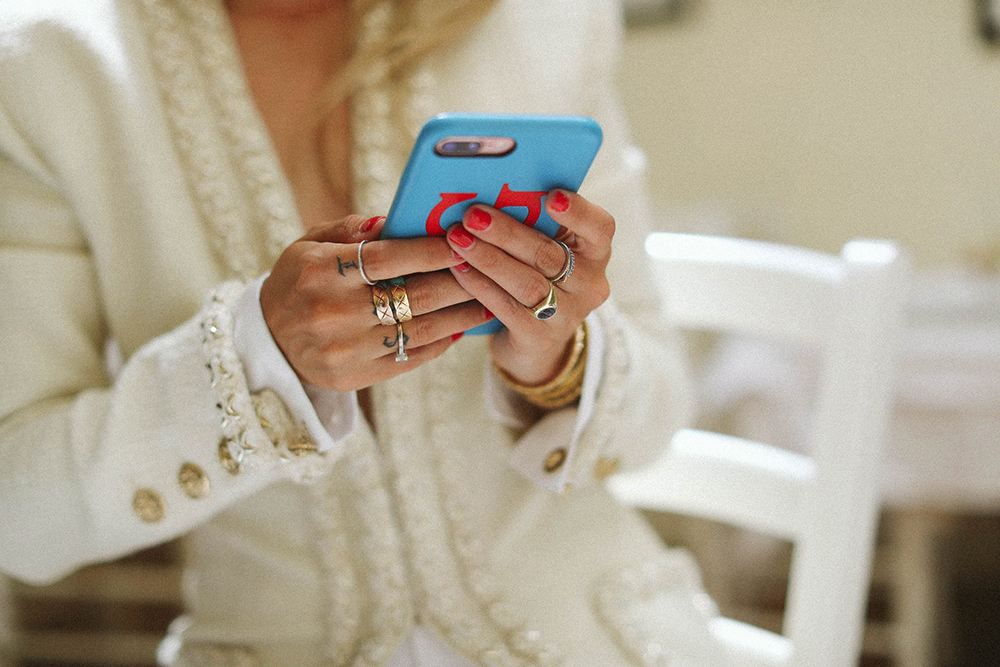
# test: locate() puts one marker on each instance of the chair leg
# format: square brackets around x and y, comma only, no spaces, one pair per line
[914,534]
[7,635]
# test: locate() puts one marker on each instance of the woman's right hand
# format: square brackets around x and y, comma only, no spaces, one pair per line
[321,314]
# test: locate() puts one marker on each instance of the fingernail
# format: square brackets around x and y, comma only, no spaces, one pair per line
[558,201]
[488,314]
[457,256]
[460,237]
[479,219]
[370,223]
[455,337]
[463,267]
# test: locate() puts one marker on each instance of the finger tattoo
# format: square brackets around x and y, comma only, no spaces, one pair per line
[341,265]
[395,341]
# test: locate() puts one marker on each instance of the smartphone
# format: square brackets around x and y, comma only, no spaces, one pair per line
[509,162]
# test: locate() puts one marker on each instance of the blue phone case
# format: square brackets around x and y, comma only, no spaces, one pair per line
[435,190]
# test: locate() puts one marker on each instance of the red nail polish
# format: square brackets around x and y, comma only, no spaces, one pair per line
[455,337]
[457,256]
[370,223]
[460,237]
[488,314]
[463,267]
[479,219]
[558,201]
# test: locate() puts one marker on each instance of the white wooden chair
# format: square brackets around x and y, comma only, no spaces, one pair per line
[825,502]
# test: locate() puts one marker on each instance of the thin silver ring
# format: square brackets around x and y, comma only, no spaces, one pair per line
[567,269]
[401,352]
[361,265]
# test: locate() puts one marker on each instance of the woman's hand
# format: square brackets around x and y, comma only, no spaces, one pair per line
[509,269]
[321,314]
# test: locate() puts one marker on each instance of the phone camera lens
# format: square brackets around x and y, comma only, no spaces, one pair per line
[473,146]
[449,147]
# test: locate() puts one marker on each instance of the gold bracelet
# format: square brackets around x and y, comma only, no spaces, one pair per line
[565,387]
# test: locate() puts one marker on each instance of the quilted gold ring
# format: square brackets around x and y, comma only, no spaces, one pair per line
[383,304]
[400,301]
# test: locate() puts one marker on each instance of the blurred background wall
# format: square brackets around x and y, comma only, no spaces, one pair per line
[815,122]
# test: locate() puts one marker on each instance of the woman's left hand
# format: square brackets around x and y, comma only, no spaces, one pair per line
[509,266]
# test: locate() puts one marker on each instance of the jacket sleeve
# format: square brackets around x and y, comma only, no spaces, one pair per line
[93,467]
[643,394]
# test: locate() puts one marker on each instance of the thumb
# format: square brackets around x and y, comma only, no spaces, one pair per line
[352,229]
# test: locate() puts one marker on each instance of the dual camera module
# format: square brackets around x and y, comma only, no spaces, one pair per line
[475,146]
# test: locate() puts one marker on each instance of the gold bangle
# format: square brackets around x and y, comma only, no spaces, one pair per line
[565,387]
[564,395]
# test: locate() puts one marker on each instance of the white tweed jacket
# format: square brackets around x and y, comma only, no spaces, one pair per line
[139,192]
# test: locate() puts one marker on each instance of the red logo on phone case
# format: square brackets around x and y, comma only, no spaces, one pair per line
[448,199]
[529,199]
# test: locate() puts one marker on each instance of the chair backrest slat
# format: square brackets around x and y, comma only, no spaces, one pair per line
[849,309]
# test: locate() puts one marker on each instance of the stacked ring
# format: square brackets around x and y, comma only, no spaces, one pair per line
[383,304]
[400,301]
[567,269]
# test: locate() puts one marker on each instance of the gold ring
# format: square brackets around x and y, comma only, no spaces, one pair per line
[361,265]
[400,302]
[545,308]
[383,304]
[401,351]
[567,267]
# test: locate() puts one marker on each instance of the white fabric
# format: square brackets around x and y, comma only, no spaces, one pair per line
[423,649]
[552,430]
[330,416]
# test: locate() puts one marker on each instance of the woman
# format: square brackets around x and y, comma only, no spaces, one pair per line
[171,184]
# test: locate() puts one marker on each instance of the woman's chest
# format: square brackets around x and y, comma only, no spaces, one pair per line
[289,61]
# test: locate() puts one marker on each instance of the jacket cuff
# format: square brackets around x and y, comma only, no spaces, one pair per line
[545,452]
[330,417]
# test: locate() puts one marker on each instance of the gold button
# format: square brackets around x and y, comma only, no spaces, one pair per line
[148,505]
[605,467]
[194,481]
[555,459]
[229,462]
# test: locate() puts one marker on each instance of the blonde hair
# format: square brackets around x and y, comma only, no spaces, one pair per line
[417,28]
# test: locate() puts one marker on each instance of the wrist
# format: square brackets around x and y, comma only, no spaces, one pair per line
[565,386]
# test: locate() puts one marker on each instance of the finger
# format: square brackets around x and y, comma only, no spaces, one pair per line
[351,229]
[523,243]
[515,315]
[428,292]
[522,282]
[592,225]
[391,258]
[426,329]
[382,368]
[425,293]
[386,367]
